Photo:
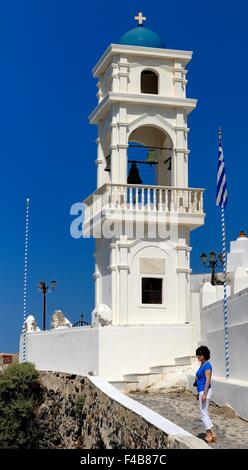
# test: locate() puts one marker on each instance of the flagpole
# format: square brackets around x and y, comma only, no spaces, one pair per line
[225,290]
[25,283]
[223,230]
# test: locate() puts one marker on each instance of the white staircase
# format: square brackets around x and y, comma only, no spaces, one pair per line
[161,377]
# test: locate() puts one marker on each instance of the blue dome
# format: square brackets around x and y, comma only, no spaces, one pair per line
[141,36]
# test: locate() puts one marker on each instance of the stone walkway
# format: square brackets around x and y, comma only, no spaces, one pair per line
[182,409]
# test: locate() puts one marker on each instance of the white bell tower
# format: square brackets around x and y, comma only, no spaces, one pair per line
[141,275]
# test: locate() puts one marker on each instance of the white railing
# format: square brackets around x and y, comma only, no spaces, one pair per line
[145,198]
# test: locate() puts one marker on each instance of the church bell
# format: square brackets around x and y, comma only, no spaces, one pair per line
[151,157]
[108,161]
[134,177]
[168,160]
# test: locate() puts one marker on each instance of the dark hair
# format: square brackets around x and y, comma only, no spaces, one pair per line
[203,351]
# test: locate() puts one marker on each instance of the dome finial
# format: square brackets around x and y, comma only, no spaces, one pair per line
[140,18]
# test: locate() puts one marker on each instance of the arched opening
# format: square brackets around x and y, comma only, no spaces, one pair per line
[149,82]
[150,149]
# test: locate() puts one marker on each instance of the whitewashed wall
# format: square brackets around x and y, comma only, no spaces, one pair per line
[124,350]
[73,350]
[151,314]
[212,334]
[164,70]
[109,351]
[195,312]
[233,391]
[238,255]
[119,275]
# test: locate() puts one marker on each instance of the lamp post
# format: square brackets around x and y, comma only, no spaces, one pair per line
[213,263]
[44,288]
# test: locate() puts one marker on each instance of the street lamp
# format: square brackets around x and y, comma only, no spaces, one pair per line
[44,288]
[213,263]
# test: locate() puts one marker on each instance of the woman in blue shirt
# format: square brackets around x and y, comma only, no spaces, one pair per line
[203,384]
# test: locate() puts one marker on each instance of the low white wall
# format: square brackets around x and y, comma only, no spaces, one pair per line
[134,349]
[232,393]
[110,351]
[73,350]
[211,294]
[212,334]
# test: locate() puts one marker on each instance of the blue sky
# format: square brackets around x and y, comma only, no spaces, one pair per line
[48,150]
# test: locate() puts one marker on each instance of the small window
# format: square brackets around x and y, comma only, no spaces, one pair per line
[149,82]
[151,290]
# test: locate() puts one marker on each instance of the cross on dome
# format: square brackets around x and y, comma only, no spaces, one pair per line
[140,18]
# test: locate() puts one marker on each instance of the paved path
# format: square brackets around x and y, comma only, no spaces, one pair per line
[182,409]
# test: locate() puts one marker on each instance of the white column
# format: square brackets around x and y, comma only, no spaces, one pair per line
[114,146]
[114,286]
[100,89]
[183,275]
[123,75]
[122,145]
[123,270]
[181,152]
[97,275]
[179,80]
[114,75]
[100,157]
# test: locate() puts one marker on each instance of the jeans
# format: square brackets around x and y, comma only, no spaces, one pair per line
[204,409]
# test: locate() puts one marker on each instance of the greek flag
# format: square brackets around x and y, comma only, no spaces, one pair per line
[221,201]
[221,193]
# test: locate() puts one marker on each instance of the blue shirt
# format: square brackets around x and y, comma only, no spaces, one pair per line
[201,377]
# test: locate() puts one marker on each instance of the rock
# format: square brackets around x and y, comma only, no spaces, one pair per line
[101,315]
[59,320]
[31,325]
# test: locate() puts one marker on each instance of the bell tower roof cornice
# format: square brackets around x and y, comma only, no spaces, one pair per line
[139,51]
[188,104]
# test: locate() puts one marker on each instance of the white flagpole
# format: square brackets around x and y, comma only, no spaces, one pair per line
[25,283]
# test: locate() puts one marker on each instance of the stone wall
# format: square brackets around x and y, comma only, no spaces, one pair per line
[76,413]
